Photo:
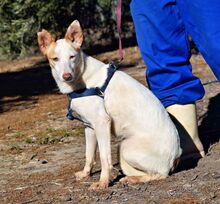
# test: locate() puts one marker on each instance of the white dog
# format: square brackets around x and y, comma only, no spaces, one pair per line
[150,142]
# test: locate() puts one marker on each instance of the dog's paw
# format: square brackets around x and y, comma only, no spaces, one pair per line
[81,175]
[99,185]
[130,180]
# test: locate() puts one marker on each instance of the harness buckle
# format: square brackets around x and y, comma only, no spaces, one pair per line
[115,64]
[100,92]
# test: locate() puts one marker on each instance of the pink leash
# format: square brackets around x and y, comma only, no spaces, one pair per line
[118,14]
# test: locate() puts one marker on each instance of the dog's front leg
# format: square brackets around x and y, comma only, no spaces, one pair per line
[103,135]
[91,144]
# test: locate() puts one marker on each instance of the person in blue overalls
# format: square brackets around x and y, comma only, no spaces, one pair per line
[162,30]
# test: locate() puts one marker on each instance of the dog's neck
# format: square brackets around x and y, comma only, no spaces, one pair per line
[90,72]
[94,72]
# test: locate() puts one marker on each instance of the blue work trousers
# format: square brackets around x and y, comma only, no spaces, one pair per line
[162,30]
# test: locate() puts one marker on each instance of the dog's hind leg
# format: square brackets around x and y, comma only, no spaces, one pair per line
[136,176]
[128,169]
[139,164]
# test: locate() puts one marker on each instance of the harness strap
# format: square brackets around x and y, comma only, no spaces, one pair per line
[111,70]
[94,91]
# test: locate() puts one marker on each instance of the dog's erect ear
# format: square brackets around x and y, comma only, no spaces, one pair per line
[74,33]
[44,40]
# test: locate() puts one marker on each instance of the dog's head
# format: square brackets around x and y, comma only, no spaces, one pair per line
[63,54]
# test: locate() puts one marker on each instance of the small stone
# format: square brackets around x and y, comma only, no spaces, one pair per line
[216,175]
[34,139]
[194,178]
[33,156]
[108,197]
[68,198]
[212,195]
[171,192]
[44,161]
[187,186]
[152,202]
[113,193]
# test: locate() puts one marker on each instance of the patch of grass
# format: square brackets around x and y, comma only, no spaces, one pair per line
[16,148]
[51,136]
[30,141]
[19,134]
[79,132]
[44,140]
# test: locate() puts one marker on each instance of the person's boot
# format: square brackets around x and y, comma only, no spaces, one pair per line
[184,117]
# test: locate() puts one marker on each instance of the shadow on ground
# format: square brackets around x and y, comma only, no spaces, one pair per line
[209,130]
[23,85]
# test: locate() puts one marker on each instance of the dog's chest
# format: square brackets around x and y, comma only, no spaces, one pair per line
[87,109]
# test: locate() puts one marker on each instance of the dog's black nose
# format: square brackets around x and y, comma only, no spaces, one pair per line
[67,76]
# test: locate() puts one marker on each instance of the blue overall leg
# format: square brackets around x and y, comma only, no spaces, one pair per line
[163,42]
[202,21]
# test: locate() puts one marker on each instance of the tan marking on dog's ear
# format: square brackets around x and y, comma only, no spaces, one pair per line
[51,52]
[44,40]
[74,33]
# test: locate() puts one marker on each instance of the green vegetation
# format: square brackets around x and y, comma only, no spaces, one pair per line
[16,148]
[19,135]
[21,19]
[51,136]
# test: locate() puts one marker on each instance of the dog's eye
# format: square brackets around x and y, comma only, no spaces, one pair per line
[72,57]
[55,59]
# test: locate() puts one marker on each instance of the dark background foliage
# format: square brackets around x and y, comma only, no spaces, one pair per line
[20,20]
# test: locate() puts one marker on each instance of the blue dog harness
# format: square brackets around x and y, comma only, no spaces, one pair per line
[94,91]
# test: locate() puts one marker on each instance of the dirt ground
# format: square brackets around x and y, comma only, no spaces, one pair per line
[40,149]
